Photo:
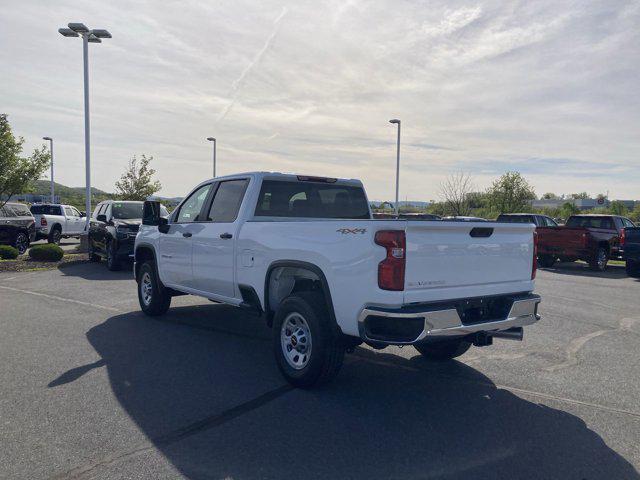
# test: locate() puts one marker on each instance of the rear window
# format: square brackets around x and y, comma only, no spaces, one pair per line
[590,222]
[21,210]
[515,219]
[46,210]
[311,200]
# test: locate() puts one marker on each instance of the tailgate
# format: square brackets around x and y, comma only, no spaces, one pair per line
[445,256]
[559,238]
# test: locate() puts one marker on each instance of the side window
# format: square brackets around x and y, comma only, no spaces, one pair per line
[2,213]
[226,203]
[190,209]
[8,211]
[56,210]
[96,212]
[68,212]
[549,222]
[627,223]
[75,211]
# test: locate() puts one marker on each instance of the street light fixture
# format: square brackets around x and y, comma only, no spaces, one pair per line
[211,139]
[397,122]
[88,36]
[51,153]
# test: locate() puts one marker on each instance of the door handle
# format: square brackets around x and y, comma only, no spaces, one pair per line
[226,236]
[187,234]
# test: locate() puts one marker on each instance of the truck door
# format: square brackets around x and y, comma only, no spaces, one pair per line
[214,245]
[177,244]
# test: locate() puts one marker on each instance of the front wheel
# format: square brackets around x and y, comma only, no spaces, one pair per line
[112,259]
[633,268]
[546,261]
[307,349]
[599,264]
[22,242]
[153,297]
[444,350]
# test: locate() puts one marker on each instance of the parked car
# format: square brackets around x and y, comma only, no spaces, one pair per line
[592,238]
[460,218]
[537,220]
[54,221]
[631,246]
[305,253]
[17,226]
[112,231]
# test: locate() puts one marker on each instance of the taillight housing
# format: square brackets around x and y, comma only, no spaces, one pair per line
[623,237]
[391,269]
[534,266]
[43,221]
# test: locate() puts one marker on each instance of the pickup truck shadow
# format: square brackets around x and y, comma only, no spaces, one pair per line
[583,270]
[96,271]
[202,385]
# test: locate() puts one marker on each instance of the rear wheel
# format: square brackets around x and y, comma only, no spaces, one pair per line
[307,349]
[22,242]
[633,268]
[444,350]
[599,264]
[546,261]
[55,235]
[153,297]
[112,259]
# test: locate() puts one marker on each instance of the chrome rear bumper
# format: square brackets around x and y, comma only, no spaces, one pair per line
[438,321]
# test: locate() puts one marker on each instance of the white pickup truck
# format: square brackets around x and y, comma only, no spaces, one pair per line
[54,221]
[305,253]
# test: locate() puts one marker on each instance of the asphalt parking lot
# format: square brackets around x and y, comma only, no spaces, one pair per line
[91,388]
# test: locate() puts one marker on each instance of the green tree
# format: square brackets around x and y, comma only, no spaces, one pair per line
[549,196]
[17,173]
[568,209]
[510,193]
[618,208]
[454,191]
[136,182]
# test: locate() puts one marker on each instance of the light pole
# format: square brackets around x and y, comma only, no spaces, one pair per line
[88,36]
[397,122]
[51,153]
[211,139]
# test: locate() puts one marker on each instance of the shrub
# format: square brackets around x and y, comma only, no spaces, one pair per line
[49,252]
[7,252]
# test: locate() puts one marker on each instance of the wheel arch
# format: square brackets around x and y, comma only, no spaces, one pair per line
[142,253]
[295,269]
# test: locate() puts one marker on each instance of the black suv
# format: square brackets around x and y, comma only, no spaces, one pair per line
[17,226]
[112,231]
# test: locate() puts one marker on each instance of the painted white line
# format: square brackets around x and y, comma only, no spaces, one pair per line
[61,299]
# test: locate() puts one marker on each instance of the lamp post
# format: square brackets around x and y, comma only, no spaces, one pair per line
[51,153]
[88,36]
[397,122]
[211,139]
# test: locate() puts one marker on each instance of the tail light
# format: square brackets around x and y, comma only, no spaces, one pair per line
[43,221]
[534,267]
[391,269]
[585,240]
[623,237]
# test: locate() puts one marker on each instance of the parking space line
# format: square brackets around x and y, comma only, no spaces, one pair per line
[61,299]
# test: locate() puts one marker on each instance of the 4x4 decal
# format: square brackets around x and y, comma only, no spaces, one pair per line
[354,231]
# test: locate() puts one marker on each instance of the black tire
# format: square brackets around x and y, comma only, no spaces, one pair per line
[93,256]
[632,268]
[153,297]
[599,264]
[55,235]
[444,350]
[113,263]
[21,242]
[546,261]
[327,349]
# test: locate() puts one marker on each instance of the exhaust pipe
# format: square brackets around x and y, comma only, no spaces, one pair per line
[515,333]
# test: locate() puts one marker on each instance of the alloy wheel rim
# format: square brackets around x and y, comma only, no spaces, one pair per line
[295,339]
[21,243]
[602,258]
[56,236]
[146,288]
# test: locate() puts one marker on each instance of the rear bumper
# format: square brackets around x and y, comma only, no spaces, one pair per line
[420,323]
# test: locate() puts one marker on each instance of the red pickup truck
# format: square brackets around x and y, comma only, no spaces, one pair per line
[592,238]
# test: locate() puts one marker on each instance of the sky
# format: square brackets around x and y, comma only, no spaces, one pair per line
[547,88]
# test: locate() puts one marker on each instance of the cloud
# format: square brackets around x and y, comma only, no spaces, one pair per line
[548,88]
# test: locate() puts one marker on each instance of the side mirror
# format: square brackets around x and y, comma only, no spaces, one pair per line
[151,213]
[163,226]
[82,214]
[102,218]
